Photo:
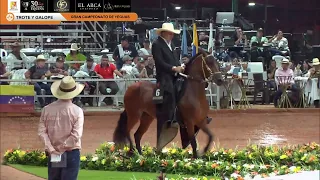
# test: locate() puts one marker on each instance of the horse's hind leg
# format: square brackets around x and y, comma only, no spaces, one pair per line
[145,122]
[204,127]
[133,118]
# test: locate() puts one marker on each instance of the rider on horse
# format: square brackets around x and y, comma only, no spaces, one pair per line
[167,66]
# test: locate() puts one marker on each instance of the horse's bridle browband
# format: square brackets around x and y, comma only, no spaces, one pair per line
[204,66]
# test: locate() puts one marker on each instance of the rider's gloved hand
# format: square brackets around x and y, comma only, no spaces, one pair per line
[178,69]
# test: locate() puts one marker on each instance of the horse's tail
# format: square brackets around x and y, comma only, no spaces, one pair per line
[120,134]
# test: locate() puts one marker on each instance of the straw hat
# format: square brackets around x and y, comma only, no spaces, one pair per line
[285,61]
[66,88]
[41,57]
[169,28]
[315,62]
[74,47]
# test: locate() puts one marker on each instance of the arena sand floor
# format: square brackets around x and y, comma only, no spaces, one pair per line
[232,128]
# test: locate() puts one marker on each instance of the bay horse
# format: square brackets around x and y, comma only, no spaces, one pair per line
[193,105]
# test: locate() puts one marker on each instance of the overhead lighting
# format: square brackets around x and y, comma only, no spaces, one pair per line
[252,4]
[177,7]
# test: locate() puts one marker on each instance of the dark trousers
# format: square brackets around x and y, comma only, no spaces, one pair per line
[278,94]
[67,169]
[37,87]
[119,64]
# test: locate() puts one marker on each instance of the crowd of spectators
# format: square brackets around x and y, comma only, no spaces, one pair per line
[126,62]
[129,62]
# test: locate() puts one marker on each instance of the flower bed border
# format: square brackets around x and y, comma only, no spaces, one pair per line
[252,161]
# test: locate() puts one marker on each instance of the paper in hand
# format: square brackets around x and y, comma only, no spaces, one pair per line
[55,158]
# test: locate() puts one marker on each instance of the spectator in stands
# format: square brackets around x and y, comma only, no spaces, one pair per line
[141,66]
[75,55]
[315,70]
[219,38]
[240,39]
[203,40]
[124,49]
[145,52]
[279,44]
[88,68]
[60,68]
[127,69]
[151,68]
[141,29]
[2,72]
[89,65]
[308,43]
[244,67]
[306,66]
[16,58]
[284,75]
[40,71]
[259,39]
[105,70]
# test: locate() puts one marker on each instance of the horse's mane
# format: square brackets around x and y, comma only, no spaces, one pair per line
[188,64]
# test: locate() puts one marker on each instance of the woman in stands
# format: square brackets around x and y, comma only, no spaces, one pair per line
[2,72]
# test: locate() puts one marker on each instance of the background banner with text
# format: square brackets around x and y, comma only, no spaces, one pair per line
[55,11]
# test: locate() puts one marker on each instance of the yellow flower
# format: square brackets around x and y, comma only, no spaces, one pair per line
[283,156]
[83,158]
[22,153]
[103,161]
[126,149]
[173,151]
[43,156]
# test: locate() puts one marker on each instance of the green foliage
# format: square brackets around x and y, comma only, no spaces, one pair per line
[252,161]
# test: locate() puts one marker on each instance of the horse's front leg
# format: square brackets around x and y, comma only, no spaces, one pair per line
[190,129]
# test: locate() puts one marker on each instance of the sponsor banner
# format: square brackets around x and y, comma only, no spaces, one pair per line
[46,18]
[36,12]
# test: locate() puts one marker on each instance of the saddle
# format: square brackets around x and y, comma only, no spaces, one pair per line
[179,90]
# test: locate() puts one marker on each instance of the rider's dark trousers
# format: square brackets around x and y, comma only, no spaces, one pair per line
[165,110]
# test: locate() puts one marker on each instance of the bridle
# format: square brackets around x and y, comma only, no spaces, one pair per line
[205,68]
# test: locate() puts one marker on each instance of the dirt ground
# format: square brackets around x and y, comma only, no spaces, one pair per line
[231,129]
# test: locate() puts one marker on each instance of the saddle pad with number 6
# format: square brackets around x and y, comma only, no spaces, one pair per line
[158,94]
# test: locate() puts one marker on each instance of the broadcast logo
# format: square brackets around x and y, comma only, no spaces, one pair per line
[62,6]
[13,6]
[37,6]
[89,6]
[25,4]
[10,17]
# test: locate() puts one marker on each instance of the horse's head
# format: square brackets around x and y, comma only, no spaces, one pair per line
[205,66]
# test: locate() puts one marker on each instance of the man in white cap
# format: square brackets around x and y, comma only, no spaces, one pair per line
[40,71]
[284,75]
[61,128]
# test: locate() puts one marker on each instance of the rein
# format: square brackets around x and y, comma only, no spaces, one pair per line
[204,66]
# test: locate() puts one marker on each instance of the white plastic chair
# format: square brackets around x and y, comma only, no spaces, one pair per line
[3,53]
[278,60]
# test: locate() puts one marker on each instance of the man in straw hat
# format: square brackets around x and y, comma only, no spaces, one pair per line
[167,66]
[40,71]
[284,75]
[61,128]
[75,55]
